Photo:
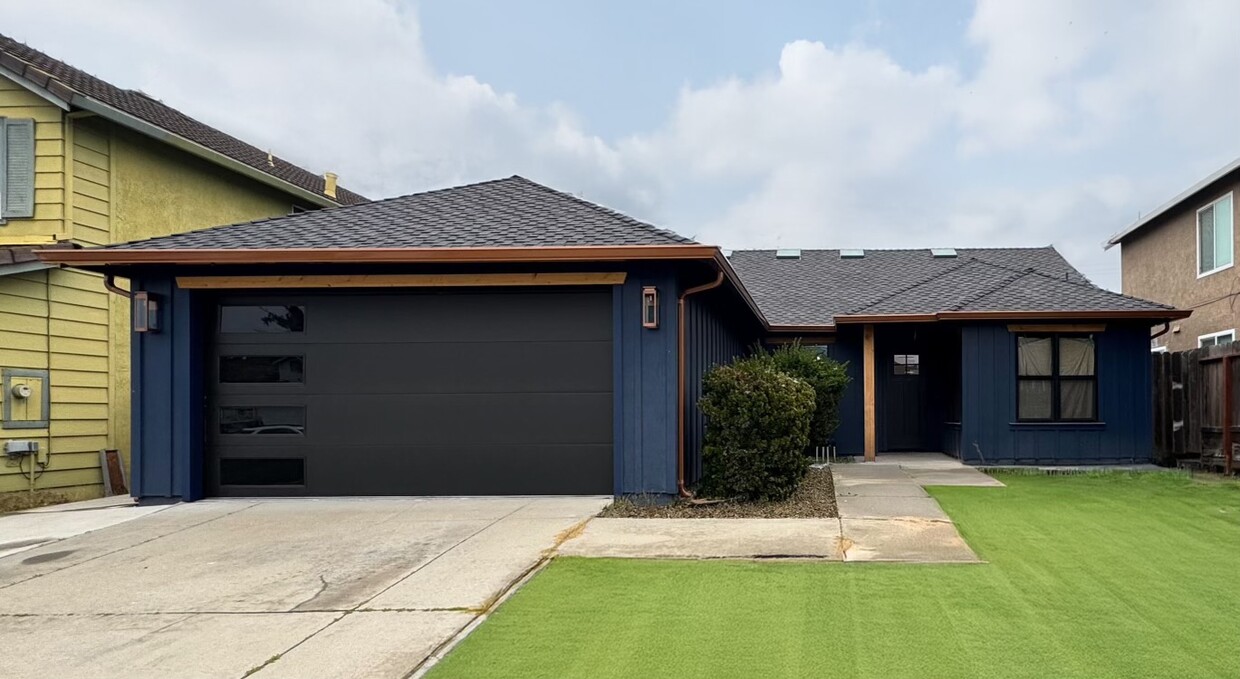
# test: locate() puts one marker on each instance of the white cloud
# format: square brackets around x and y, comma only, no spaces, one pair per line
[1076,116]
[346,88]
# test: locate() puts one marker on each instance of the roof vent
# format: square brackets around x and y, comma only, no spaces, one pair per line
[852,254]
[789,253]
[726,253]
[943,252]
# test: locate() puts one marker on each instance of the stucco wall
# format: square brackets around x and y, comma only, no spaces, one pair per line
[96,183]
[159,191]
[1160,263]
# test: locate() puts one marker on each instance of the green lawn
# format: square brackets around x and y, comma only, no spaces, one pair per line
[1088,576]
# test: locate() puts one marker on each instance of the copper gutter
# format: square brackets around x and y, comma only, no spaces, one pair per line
[1156,314]
[558,253]
[680,381]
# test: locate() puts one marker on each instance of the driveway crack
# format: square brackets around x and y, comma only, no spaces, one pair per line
[322,588]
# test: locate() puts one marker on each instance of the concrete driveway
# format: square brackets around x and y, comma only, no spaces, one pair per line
[271,588]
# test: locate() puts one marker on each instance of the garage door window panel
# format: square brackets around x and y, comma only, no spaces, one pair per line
[262,471]
[263,421]
[247,369]
[266,319]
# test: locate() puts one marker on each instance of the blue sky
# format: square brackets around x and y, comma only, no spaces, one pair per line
[778,124]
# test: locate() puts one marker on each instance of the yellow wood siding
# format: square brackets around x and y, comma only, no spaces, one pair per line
[49,150]
[57,318]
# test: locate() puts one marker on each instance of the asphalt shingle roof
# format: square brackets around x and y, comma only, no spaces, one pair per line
[64,80]
[512,212]
[820,285]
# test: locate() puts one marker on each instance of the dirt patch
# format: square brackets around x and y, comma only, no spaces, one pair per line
[815,499]
[21,500]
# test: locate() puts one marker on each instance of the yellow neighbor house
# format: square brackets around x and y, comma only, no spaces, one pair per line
[85,163]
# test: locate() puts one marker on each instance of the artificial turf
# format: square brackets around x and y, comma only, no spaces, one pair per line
[1110,575]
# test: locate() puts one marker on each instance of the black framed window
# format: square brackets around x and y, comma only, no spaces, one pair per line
[1056,378]
[906,364]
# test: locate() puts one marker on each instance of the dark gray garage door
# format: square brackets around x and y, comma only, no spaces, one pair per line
[461,393]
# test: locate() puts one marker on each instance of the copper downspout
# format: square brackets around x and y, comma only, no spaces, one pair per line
[680,383]
[109,282]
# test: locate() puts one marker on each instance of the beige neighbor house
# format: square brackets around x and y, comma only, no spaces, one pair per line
[85,163]
[1184,254]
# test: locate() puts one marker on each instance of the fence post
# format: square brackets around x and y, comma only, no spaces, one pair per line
[1227,413]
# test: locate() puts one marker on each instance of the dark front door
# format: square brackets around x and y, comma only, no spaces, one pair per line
[449,393]
[903,405]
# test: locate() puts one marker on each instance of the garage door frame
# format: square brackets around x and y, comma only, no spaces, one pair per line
[259,343]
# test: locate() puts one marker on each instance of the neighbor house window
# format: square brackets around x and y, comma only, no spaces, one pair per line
[1216,338]
[1214,236]
[1057,378]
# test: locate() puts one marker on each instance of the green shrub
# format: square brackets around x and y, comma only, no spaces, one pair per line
[757,429]
[827,377]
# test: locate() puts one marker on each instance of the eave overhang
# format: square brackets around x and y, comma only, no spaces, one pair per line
[101,257]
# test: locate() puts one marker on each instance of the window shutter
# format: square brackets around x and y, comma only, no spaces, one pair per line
[18,169]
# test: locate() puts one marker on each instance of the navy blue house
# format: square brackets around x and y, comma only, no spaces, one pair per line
[506,338]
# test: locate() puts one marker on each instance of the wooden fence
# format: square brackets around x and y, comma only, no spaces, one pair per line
[1197,407]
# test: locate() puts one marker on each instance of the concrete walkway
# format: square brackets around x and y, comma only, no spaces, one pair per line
[885,515]
[25,530]
[305,588]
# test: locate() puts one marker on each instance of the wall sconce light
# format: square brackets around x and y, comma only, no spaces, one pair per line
[145,312]
[650,307]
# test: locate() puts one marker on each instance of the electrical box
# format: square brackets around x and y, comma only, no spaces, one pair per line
[16,448]
[25,398]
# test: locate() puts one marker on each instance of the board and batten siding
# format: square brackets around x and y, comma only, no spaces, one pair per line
[712,337]
[990,433]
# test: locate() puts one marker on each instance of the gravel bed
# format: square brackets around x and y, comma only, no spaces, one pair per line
[815,499]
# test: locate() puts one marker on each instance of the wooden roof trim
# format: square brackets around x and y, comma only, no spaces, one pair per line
[803,329]
[570,253]
[721,261]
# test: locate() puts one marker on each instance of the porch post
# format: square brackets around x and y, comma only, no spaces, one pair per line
[867,362]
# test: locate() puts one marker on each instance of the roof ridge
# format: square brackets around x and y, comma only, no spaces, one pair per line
[907,288]
[1005,282]
[604,209]
[1084,283]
